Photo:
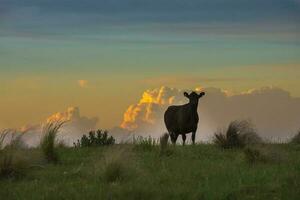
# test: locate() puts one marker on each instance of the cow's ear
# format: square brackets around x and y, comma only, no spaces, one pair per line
[201,94]
[186,94]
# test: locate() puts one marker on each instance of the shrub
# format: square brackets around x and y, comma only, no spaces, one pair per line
[48,141]
[251,137]
[144,143]
[238,135]
[98,138]
[296,138]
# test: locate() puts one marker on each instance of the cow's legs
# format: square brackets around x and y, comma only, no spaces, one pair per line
[173,137]
[193,137]
[183,139]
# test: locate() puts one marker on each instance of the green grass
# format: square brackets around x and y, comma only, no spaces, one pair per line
[201,171]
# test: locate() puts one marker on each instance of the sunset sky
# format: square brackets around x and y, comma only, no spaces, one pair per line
[101,55]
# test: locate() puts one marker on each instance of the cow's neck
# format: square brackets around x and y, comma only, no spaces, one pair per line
[194,106]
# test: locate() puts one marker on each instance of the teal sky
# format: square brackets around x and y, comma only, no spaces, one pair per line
[140,50]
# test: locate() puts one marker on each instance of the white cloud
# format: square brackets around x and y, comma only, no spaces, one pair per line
[75,126]
[274,112]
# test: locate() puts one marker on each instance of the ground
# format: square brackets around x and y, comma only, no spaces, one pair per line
[201,171]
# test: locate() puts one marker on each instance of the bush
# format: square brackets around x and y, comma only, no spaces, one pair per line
[296,139]
[238,135]
[48,141]
[98,138]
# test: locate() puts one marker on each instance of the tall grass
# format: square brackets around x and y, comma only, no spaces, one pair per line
[16,141]
[145,143]
[3,135]
[48,141]
[12,164]
[116,164]
[113,171]
[238,135]
[164,145]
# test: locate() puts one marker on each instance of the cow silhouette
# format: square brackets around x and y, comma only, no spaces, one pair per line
[183,119]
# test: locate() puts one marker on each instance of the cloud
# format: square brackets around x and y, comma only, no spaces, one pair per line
[75,126]
[82,83]
[150,106]
[274,112]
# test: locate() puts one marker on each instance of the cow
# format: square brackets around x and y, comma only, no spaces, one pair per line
[183,119]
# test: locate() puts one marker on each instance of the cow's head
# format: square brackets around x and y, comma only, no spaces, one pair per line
[194,97]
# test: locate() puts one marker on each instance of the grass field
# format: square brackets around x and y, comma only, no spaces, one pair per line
[201,171]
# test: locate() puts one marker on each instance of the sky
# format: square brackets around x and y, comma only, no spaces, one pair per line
[102,55]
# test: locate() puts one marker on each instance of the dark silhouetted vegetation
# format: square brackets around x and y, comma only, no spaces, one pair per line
[95,138]
[238,135]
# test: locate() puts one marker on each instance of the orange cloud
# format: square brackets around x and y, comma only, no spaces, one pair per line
[143,112]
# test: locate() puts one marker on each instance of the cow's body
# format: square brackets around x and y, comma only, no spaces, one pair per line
[183,119]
